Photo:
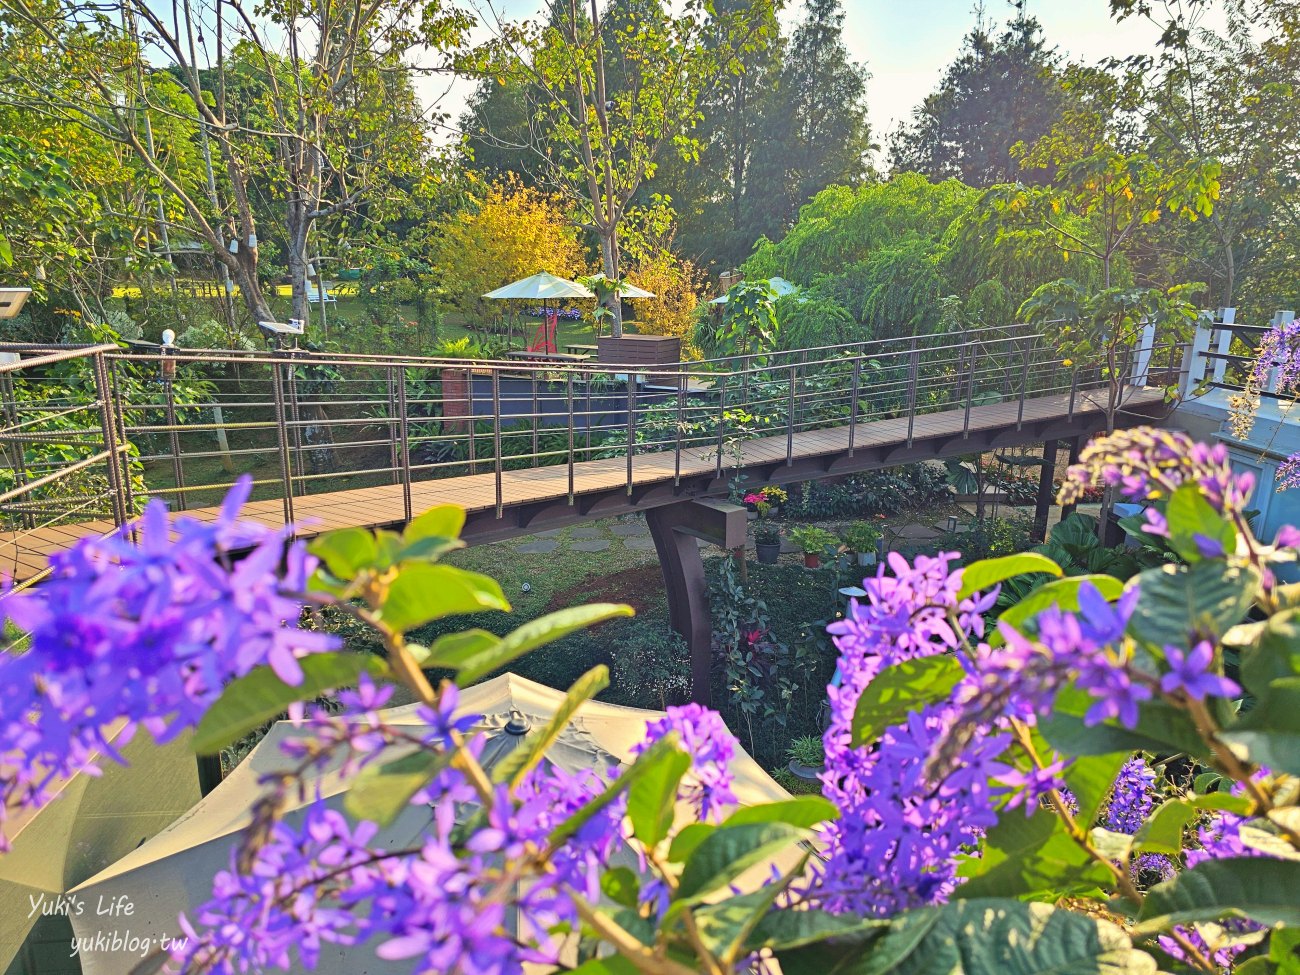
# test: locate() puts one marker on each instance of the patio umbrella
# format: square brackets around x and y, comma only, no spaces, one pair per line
[173,872]
[543,287]
[625,290]
[92,822]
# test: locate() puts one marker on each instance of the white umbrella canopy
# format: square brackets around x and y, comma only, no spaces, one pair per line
[173,872]
[541,287]
[92,822]
[625,290]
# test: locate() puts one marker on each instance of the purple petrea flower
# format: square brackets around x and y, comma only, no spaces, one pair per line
[900,828]
[1190,672]
[1029,787]
[704,736]
[144,634]
[1132,797]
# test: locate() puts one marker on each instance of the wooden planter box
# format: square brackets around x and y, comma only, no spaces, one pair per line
[639,352]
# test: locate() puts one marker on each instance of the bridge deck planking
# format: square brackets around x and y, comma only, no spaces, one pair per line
[24,554]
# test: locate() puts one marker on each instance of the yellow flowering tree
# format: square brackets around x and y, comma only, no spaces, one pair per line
[511,232]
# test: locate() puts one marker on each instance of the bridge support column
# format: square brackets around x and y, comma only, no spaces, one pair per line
[675,528]
[1046,475]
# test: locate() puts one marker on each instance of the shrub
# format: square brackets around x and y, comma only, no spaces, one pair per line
[651,666]
[861,537]
[813,540]
[807,750]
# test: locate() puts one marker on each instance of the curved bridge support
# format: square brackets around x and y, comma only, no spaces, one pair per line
[675,528]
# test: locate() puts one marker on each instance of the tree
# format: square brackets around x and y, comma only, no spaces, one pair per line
[608,122]
[321,125]
[999,92]
[1229,96]
[814,132]
[514,231]
[709,194]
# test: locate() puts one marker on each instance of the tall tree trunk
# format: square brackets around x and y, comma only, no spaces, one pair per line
[609,257]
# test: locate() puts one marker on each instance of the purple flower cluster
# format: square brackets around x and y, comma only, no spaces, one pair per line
[147,634]
[704,736]
[1278,350]
[1132,797]
[447,904]
[900,829]
[1085,649]
[1148,464]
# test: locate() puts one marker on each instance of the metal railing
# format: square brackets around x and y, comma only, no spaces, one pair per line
[1221,353]
[93,432]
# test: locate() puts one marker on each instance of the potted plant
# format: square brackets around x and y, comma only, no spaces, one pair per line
[807,757]
[457,381]
[767,543]
[862,538]
[813,541]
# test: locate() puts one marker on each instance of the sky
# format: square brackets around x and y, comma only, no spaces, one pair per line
[907,44]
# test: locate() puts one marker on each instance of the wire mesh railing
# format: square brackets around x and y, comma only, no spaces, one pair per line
[92,433]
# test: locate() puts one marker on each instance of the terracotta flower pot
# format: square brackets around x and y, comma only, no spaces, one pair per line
[812,560]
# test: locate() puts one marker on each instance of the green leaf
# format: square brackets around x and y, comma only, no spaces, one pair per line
[651,801]
[621,885]
[1002,937]
[259,696]
[1189,515]
[801,811]
[900,689]
[422,592]
[1275,654]
[687,839]
[453,649]
[1207,598]
[1269,733]
[1060,592]
[1225,801]
[1259,888]
[729,851]
[724,927]
[1114,846]
[1031,856]
[783,930]
[537,633]
[380,791]
[1160,728]
[661,751]
[345,552]
[523,759]
[441,521]
[610,965]
[1163,831]
[987,573]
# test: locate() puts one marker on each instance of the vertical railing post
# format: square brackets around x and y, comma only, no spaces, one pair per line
[537,419]
[496,438]
[295,416]
[469,408]
[789,421]
[913,376]
[1024,385]
[404,432]
[568,404]
[631,426]
[9,405]
[393,461]
[128,488]
[173,434]
[682,382]
[722,420]
[282,440]
[970,389]
[853,402]
[108,424]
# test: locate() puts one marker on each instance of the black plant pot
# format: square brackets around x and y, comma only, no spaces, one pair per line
[808,773]
[767,552]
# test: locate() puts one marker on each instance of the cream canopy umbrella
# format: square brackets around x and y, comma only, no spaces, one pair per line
[626,289]
[173,872]
[92,822]
[543,287]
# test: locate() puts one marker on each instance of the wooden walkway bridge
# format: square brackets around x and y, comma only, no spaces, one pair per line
[364,441]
